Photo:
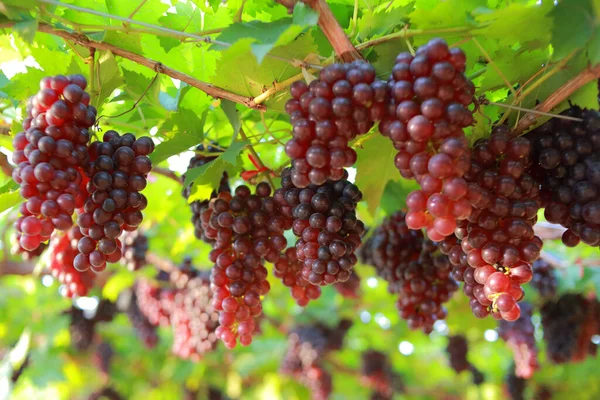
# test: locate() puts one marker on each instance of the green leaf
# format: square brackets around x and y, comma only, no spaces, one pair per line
[136,84]
[26,29]
[206,178]
[185,130]
[573,26]
[594,48]
[394,195]
[374,23]
[129,41]
[304,15]
[261,37]
[117,283]
[233,115]
[14,8]
[109,76]
[233,151]
[451,13]
[9,199]
[374,168]
[10,186]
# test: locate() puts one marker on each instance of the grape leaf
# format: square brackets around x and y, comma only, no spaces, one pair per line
[451,13]
[185,130]
[148,12]
[304,15]
[130,41]
[206,178]
[136,84]
[117,283]
[9,199]
[594,48]
[109,77]
[26,29]
[9,187]
[229,107]
[233,151]
[374,168]
[394,195]
[573,26]
[375,23]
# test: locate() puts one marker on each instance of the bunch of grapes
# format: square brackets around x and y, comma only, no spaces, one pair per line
[118,171]
[303,361]
[351,288]
[156,303]
[426,114]
[289,269]
[498,237]
[569,324]
[248,230]
[544,278]
[105,393]
[81,329]
[391,248]
[103,357]
[62,253]
[567,157]
[326,115]
[144,329]
[515,385]
[49,155]
[324,219]
[199,206]
[135,247]
[519,335]
[458,349]
[28,255]
[194,319]
[376,373]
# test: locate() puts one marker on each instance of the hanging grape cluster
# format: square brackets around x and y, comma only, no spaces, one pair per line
[567,158]
[376,373]
[49,156]
[458,349]
[134,249]
[519,335]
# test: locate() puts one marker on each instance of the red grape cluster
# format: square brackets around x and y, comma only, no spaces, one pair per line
[351,288]
[198,206]
[62,252]
[135,247]
[303,361]
[424,286]
[81,329]
[248,230]
[343,103]
[376,373]
[544,278]
[194,319]
[569,324]
[519,336]
[49,155]
[458,349]
[426,114]
[28,255]
[498,237]
[567,159]
[289,269]
[324,219]
[144,329]
[515,385]
[391,248]
[156,303]
[118,170]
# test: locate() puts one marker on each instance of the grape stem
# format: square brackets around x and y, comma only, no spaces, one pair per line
[587,75]
[208,88]
[267,174]
[513,107]
[333,31]
[160,262]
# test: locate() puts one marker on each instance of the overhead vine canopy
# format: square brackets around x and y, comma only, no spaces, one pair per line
[294,199]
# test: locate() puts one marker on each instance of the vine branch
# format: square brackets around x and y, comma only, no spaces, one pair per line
[333,31]
[167,173]
[4,165]
[587,75]
[208,88]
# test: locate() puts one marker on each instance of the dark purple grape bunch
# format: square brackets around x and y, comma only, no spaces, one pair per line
[81,328]
[544,278]
[325,221]
[144,329]
[566,157]
[134,249]
[328,113]
[458,350]
[199,206]
[289,269]
[48,156]
[376,373]
[118,173]
[391,247]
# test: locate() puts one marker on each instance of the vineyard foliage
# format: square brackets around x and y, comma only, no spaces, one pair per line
[145,77]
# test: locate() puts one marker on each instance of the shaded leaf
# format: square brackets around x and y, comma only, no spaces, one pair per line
[233,115]
[184,129]
[9,199]
[573,26]
[109,76]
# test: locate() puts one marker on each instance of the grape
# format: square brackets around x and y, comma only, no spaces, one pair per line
[289,269]
[376,373]
[458,349]
[519,336]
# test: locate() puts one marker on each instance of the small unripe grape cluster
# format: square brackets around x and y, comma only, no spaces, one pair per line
[520,338]
[426,114]
[248,230]
[198,206]
[569,323]
[289,269]
[391,247]
[567,159]
[324,220]
[62,252]
[118,171]
[328,113]
[49,155]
